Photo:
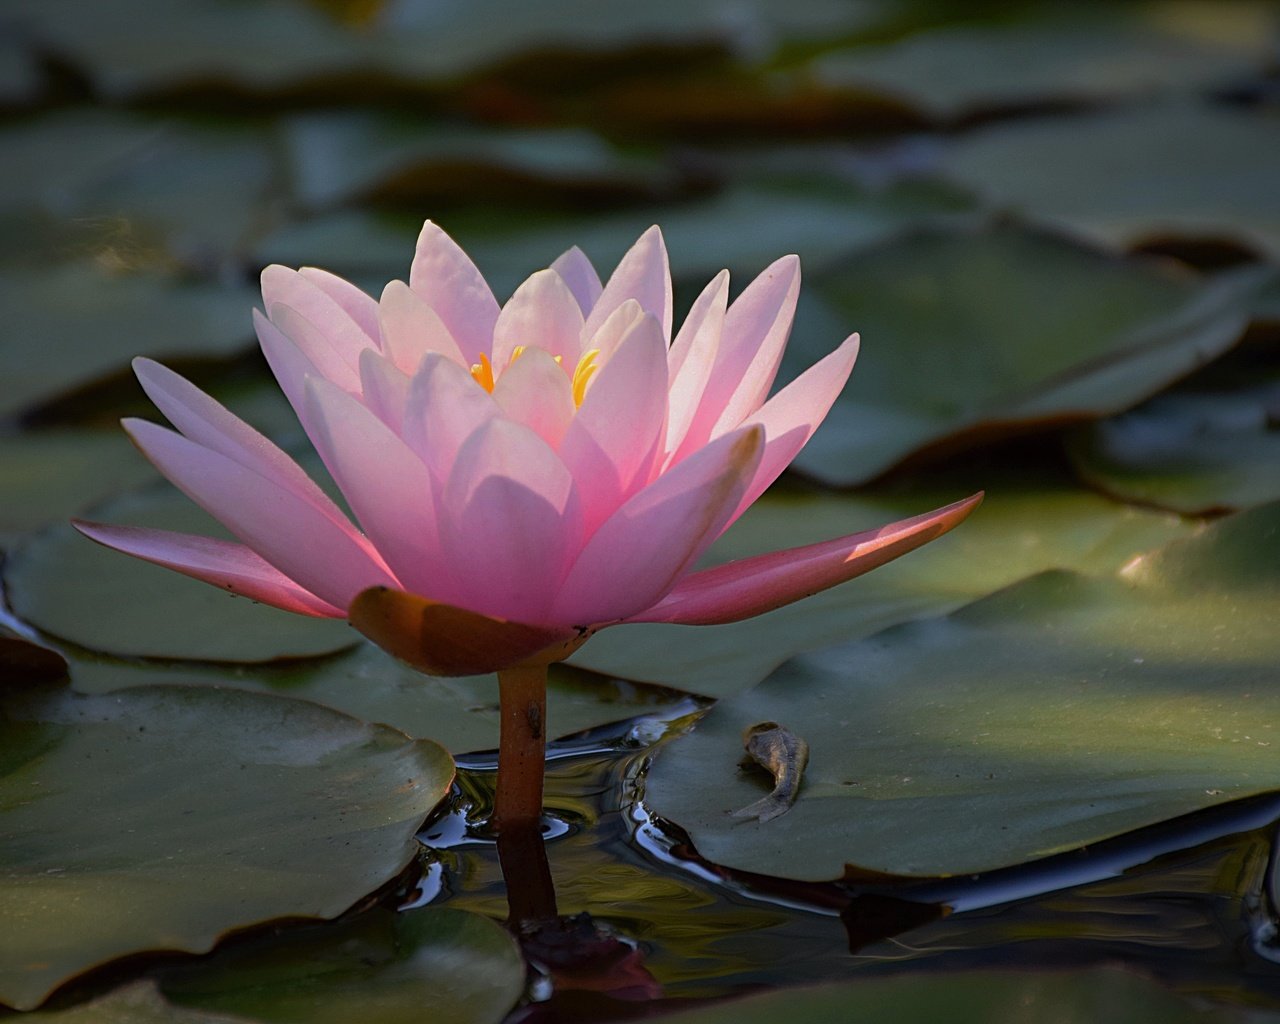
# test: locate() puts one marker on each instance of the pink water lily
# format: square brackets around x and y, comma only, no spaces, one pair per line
[522,474]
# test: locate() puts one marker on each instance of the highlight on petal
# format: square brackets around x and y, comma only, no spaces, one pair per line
[753,586]
[444,640]
[541,314]
[444,277]
[409,329]
[536,392]
[644,275]
[225,564]
[640,551]
[580,276]
[329,559]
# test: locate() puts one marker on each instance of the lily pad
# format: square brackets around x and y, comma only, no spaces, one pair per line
[1053,714]
[78,321]
[459,712]
[969,336]
[973,997]
[1180,171]
[160,818]
[136,1003]
[1026,524]
[1194,451]
[1098,55]
[76,591]
[380,966]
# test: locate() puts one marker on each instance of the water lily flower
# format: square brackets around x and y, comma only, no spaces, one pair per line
[522,474]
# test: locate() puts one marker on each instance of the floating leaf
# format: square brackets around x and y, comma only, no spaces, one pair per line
[163,817]
[67,586]
[1026,524]
[1180,171]
[1050,715]
[968,336]
[380,966]
[1193,451]
[136,1003]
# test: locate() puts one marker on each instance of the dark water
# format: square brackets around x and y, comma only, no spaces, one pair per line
[1189,902]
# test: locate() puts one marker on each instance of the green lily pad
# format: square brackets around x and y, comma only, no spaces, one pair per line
[75,590]
[1055,713]
[1026,524]
[380,966]
[1096,55]
[459,712]
[78,321]
[1195,451]
[1180,171]
[967,336]
[160,818]
[973,997]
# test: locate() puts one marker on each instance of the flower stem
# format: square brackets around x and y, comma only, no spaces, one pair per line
[522,696]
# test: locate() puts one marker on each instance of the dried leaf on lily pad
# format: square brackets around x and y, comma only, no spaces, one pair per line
[1028,522]
[1174,171]
[67,586]
[161,818]
[1055,713]
[973,335]
[1197,450]
[383,966]
[971,997]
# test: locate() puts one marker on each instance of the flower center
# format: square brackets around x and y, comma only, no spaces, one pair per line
[582,374]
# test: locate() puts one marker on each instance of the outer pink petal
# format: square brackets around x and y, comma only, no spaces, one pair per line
[446,279]
[535,391]
[612,443]
[362,308]
[384,482]
[692,356]
[225,564]
[642,549]
[208,423]
[444,408]
[329,559]
[385,389]
[289,364]
[792,415]
[284,287]
[410,329]
[643,275]
[343,368]
[755,333]
[510,523]
[541,314]
[580,276]
[757,585]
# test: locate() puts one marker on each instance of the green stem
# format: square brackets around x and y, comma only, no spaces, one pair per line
[522,742]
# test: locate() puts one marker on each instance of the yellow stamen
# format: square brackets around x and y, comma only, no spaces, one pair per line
[483,372]
[517,352]
[585,371]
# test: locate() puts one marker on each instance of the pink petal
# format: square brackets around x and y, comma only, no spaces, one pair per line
[410,329]
[755,332]
[208,423]
[446,279]
[284,287]
[643,275]
[362,308]
[536,392]
[613,441]
[390,493]
[231,566]
[692,355]
[608,336]
[580,276]
[385,389]
[289,364]
[541,314]
[331,560]
[639,553]
[792,415]
[509,525]
[757,585]
[318,347]
[445,407]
